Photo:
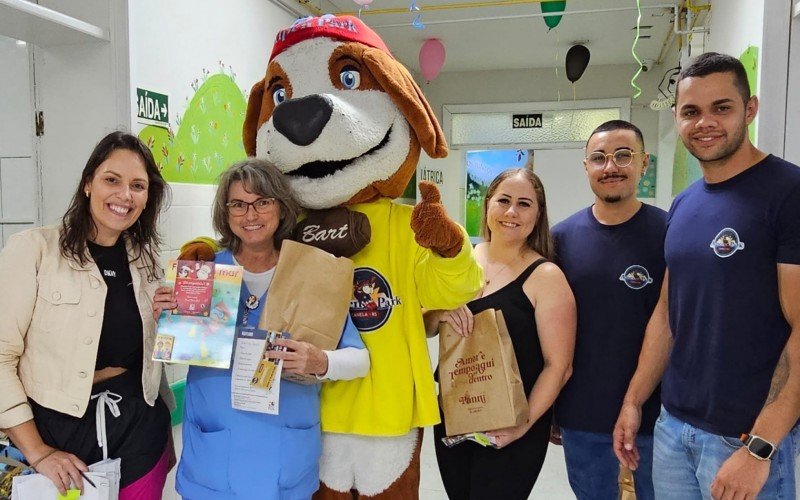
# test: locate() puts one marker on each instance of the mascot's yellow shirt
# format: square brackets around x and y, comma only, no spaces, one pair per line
[394,279]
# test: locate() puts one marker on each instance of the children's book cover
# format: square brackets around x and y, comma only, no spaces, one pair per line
[204,339]
[194,282]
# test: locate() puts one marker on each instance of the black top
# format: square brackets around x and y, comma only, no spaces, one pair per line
[121,334]
[518,313]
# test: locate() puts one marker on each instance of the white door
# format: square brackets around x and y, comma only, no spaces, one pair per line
[565,184]
[19,198]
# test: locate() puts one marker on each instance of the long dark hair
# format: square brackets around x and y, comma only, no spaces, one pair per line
[262,178]
[540,240]
[77,224]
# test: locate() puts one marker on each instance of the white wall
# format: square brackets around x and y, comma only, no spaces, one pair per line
[735,25]
[537,85]
[171,43]
[598,82]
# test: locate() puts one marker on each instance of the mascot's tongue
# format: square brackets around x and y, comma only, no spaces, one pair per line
[318,169]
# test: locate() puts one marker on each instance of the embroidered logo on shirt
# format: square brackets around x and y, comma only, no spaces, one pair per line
[726,243]
[110,273]
[636,277]
[372,301]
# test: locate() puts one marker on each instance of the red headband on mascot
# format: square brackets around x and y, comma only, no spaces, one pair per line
[345,28]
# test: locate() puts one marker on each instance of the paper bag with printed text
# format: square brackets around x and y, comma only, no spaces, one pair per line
[309,297]
[480,387]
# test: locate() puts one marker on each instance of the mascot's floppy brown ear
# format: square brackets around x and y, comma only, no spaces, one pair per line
[251,120]
[406,94]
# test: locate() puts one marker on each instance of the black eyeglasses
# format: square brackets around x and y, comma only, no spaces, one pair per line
[622,158]
[238,207]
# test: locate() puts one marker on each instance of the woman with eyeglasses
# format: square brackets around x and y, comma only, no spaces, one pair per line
[539,310]
[235,454]
[76,333]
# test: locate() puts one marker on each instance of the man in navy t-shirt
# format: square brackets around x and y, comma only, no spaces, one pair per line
[727,329]
[612,254]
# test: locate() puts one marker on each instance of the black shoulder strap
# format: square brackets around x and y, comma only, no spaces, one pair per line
[530,269]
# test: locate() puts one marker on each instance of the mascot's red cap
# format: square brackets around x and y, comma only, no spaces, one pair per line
[345,28]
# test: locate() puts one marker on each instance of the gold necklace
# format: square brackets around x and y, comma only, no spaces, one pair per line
[496,274]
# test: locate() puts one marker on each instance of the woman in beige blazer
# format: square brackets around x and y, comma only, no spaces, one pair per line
[76,331]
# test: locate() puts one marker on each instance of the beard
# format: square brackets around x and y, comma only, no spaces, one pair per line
[612,198]
[725,151]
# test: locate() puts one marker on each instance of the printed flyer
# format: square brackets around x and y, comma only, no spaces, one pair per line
[202,339]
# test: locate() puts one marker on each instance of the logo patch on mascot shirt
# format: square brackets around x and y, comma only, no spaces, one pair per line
[726,243]
[372,301]
[636,277]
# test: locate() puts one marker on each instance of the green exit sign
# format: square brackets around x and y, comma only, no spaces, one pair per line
[152,107]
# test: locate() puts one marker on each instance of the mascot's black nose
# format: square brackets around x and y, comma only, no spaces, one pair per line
[302,120]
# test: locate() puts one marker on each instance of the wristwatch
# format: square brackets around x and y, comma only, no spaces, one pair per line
[759,447]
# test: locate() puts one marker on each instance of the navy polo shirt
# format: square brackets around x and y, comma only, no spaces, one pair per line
[723,244]
[615,272]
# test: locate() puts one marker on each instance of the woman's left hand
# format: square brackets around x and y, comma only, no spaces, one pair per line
[504,437]
[163,299]
[302,357]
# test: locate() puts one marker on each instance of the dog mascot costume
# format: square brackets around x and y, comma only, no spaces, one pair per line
[345,122]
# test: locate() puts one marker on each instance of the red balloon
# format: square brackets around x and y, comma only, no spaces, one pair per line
[431,58]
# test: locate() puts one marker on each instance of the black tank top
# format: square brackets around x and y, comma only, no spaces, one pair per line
[518,313]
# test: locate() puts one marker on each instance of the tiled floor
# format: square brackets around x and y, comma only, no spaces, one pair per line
[552,483]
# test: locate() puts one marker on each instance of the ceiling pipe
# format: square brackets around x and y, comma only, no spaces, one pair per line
[690,16]
[292,7]
[526,16]
[455,6]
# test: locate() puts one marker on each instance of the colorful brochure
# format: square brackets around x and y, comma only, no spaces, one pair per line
[200,338]
[249,364]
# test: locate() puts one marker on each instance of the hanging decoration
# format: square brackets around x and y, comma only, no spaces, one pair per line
[558,6]
[362,4]
[576,62]
[637,90]
[431,58]
[417,22]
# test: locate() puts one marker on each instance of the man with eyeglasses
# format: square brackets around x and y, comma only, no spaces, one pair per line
[613,256]
[726,331]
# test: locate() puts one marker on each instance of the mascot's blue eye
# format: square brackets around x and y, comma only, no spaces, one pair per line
[350,78]
[279,95]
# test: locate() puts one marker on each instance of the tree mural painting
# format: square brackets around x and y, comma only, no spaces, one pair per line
[208,137]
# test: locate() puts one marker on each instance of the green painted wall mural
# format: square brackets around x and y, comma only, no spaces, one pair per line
[685,169]
[749,59]
[208,138]
[647,184]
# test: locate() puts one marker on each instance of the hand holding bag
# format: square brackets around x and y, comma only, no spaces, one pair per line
[480,387]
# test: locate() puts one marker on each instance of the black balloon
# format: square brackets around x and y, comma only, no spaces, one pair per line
[577,60]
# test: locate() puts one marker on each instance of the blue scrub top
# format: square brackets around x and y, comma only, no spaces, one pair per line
[235,454]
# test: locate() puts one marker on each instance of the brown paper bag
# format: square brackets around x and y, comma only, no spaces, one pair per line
[479,383]
[309,297]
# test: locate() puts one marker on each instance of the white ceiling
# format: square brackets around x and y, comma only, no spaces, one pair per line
[479,42]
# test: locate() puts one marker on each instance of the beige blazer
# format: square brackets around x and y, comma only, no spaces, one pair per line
[51,313]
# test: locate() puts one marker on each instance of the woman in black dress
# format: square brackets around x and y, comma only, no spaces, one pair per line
[539,310]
